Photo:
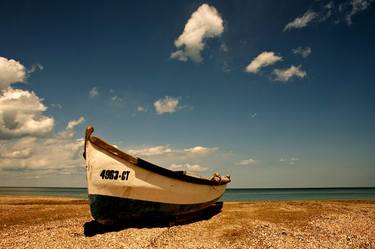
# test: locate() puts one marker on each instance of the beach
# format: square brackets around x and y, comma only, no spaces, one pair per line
[57,222]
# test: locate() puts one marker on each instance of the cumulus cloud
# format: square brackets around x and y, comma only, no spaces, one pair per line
[302,21]
[46,154]
[204,23]
[11,71]
[21,114]
[93,92]
[19,149]
[288,73]
[166,105]
[73,123]
[303,51]
[56,153]
[262,60]
[24,153]
[247,162]
[195,168]
[27,141]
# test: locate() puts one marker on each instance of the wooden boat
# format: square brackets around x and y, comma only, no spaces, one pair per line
[123,187]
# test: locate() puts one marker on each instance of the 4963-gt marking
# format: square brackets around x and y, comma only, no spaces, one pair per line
[109,174]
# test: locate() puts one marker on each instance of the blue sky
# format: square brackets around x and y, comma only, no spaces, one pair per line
[302,115]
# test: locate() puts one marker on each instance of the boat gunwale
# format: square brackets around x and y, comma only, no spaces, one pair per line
[143,163]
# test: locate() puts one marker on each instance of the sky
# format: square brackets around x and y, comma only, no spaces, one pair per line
[273,93]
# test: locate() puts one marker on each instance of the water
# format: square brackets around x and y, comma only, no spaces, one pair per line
[247,194]
[65,192]
[238,195]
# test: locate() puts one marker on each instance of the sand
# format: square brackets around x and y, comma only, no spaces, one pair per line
[51,222]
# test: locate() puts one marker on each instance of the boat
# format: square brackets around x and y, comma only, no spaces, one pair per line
[122,187]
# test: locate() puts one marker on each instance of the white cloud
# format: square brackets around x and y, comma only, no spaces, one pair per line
[116,99]
[73,123]
[247,162]
[34,67]
[166,150]
[195,168]
[151,151]
[11,71]
[141,109]
[178,158]
[15,150]
[200,150]
[204,23]
[303,51]
[262,60]
[302,21]
[58,106]
[24,153]
[326,11]
[21,114]
[287,73]
[290,161]
[56,154]
[27,141]
[181,56]
[93,92]
[166,105]
[45,155]
[323,11]
[356,7]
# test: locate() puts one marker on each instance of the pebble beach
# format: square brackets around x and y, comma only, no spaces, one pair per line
[54,222]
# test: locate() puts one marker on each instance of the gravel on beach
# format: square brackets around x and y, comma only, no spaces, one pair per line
[54,222]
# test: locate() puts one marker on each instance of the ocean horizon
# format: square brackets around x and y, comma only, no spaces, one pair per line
[230,195]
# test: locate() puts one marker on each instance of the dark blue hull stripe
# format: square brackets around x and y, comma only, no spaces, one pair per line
[108,209]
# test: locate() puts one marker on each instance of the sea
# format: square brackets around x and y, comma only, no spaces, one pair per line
[230,195]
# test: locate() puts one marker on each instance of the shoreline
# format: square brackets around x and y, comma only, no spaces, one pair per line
[235,194]
[59,222]
[36,196]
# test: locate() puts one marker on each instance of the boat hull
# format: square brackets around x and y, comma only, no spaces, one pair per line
[114,210]
[122,187]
